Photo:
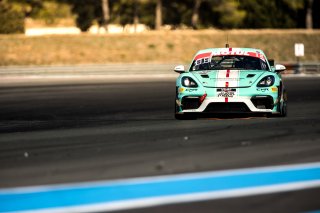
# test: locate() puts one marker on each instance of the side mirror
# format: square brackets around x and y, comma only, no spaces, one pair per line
[179,69]
[280,68]
[271,62]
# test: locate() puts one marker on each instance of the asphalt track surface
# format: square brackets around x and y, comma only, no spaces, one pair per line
[99,131]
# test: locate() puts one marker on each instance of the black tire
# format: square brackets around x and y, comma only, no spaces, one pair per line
[283,107]
[179,117]
[182,116]
[185,117]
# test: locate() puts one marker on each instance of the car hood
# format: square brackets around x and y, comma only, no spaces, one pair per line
[233,78]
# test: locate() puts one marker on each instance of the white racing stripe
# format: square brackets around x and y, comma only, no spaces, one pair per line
[231,76]
[228,78]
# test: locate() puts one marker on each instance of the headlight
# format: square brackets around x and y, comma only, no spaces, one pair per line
[188,82]
[266,81]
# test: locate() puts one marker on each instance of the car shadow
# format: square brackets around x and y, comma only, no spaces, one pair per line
[225,116]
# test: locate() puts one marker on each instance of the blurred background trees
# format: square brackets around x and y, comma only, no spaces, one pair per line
[196,14]
[11,21]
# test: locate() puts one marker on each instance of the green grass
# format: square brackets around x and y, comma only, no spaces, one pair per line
[151,47]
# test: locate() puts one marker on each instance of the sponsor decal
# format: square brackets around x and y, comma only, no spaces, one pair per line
[226,92]
[203,58]
[202,55]
[226,89]
[228,79]
[239,52]
[263,89]
[191,90]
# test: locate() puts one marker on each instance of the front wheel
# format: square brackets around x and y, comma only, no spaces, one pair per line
[283,109]
[185,117]
[182,116]
[283,106]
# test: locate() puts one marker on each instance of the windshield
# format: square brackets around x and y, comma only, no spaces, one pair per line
[236,62]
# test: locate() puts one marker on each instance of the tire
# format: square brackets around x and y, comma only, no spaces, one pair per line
[185,117]
[283,107]
[182,116]
[179,117]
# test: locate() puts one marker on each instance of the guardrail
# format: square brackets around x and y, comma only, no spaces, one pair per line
[298,68]
[89,69]
[125,69]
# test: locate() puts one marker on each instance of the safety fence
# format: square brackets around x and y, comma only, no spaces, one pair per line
[128,69]
[305,68]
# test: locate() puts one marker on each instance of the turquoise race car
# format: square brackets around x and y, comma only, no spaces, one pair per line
[230,80]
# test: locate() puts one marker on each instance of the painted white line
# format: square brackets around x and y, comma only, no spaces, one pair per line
[160,190]
[163,178]
[165,200]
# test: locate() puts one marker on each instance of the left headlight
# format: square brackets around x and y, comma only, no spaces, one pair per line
[188,82]
[266,81]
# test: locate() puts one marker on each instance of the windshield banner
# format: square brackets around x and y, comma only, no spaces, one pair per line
[230,51]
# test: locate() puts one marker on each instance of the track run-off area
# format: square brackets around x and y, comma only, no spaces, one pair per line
[102,142]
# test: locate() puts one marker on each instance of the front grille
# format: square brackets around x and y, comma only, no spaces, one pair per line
[265,102]
[230,107]
[190,103]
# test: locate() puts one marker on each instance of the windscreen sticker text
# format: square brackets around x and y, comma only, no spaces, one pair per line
[240,53]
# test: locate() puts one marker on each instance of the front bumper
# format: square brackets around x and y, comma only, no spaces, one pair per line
[245,104]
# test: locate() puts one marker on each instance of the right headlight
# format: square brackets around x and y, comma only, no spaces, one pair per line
[188,82]
[266,81]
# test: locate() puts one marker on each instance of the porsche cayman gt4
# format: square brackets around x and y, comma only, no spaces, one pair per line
[230,80]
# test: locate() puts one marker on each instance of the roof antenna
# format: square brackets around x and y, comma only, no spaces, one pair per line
[227,44]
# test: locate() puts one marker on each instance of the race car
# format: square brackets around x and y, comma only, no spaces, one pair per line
[230,80]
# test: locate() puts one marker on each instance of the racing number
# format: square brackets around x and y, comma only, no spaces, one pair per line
[203,61]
